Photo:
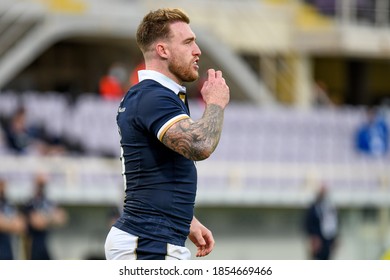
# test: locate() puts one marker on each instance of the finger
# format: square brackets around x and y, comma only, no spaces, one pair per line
[201,252]
[198,239]
[209,239]
[211,74]
[218,74]
[205,250]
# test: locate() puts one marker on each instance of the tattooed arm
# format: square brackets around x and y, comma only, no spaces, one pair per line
[197,140]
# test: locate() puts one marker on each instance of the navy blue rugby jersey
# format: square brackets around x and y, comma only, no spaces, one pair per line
[160,184]
[5,238]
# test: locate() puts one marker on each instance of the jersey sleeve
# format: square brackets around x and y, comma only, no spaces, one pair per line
[159,110]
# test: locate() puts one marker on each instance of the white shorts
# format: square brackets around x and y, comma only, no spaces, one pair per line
[121,245]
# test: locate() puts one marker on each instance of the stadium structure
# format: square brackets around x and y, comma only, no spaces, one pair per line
[280,140]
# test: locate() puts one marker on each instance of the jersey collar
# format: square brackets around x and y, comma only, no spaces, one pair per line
[161,79]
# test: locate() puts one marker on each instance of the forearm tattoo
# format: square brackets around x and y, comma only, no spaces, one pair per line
[196,140]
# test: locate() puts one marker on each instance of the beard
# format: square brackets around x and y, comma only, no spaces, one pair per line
[184,72]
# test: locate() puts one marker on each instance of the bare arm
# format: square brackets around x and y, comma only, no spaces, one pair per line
[197,140]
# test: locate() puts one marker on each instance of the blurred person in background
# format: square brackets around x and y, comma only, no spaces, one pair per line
[11,223]
[42,216]
[24,139]
[115,83]
[3,145]
[160,143]
[20,137]
[321,225]
[372,137]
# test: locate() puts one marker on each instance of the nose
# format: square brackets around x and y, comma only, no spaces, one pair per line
[197,50]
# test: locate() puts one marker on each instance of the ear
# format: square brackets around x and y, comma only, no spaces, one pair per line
[162,50]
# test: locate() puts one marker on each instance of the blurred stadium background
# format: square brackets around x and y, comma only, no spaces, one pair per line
[277,146]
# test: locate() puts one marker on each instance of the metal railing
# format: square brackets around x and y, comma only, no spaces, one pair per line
[92,180]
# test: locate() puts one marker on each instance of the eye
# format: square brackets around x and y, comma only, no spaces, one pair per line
[189,41]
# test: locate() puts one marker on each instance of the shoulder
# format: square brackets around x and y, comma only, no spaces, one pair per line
[152,94]
[148,90]
[149,85]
